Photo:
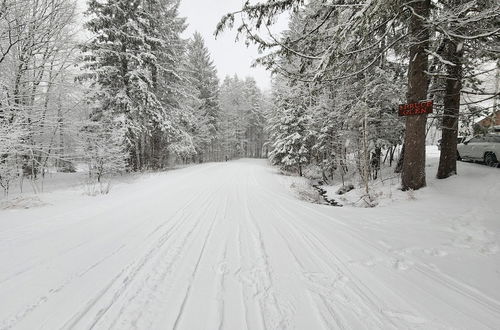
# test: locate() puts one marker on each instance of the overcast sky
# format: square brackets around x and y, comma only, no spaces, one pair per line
[228,56]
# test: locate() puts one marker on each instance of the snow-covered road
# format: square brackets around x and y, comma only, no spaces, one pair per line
[228,246]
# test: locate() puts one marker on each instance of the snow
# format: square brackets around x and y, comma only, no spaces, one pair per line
[230,246]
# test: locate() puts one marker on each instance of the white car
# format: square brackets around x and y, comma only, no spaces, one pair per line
[481,148]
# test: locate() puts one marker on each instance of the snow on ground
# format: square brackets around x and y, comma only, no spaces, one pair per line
[229,246]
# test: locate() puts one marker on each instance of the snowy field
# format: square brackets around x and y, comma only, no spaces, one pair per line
[229,246]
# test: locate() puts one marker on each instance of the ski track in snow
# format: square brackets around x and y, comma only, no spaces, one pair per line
[227,246]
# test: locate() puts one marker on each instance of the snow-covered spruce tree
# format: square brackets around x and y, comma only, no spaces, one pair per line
[134,52]
[183,148]
[229,103]
[202,78]
[170,138]
[328,127]
[254,119]
[289,145]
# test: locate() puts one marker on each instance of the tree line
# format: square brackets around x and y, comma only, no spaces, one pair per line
[342,67]
[129,93]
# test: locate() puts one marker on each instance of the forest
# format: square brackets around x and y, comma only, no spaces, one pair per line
[343,67]
[131,94]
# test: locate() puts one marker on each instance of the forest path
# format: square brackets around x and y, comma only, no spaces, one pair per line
[222,246]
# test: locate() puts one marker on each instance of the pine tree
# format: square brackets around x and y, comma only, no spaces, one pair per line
[289,139]
[169,136]
[133,63]
[202,77]
[254,118]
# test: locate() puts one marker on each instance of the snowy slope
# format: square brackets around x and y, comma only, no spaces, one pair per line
[228,246]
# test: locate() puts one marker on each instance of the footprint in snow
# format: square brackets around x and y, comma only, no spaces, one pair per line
[403,264]
[436,252]
[221,268]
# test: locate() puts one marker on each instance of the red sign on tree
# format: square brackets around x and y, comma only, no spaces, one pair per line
[419,108]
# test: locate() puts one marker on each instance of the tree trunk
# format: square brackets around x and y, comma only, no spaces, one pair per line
[399,165]
[60,124]
[448,158]
[375,162]
[413,176]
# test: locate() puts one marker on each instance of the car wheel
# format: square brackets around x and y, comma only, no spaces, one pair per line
[490,159]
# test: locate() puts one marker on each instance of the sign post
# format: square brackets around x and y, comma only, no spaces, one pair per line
[418,108]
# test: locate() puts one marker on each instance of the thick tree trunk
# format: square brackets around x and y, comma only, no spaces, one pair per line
[413,176]
[448,158]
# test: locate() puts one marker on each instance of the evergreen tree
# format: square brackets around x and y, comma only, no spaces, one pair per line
[289,139]
[230,123]
[170,138]
[204,84]
[242,118]
[254,118]
[134,53]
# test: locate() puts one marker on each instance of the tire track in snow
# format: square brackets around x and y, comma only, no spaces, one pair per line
[272,314]
[221,272]
[45,298]
[221,289]
[455,285]
[237,273]
[443,279]
[323,319]
[334,279]
[314,244]
[195,270]
[131,270]
[152,290]
[88,221]
[403,316]
[150,287]
[179,248]
[13,321]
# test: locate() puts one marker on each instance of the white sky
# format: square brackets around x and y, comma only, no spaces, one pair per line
[229,57]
